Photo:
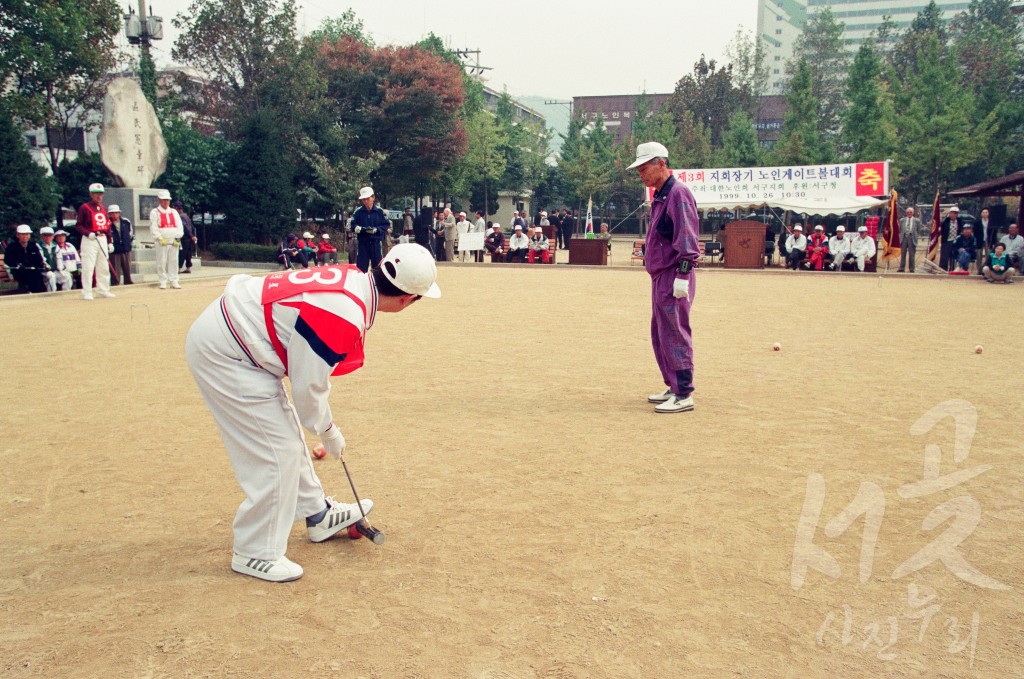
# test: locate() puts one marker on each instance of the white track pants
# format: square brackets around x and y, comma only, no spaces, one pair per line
[166,263]
[94,258]
[262,435]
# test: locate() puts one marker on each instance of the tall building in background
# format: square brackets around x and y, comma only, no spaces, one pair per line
[779,23]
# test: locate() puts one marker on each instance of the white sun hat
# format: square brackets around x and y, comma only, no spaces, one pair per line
[647,152]
[411,268]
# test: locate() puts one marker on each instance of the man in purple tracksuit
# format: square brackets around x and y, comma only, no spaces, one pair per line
[670,257]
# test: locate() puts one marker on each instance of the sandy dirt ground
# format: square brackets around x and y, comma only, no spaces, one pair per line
[541,520]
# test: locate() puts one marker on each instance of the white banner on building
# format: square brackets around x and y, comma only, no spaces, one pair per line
[811,184]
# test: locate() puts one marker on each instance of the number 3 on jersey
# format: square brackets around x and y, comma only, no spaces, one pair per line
[280,286]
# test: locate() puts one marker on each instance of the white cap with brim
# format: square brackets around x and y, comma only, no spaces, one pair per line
[954,209]
[496,225]
[60,232]
[365,192]
[519,227]
[46,231]
[96,188]
[412,269]
[819,227]
[307,235]
[326,236]
[647,152]
[862,229]
[114,208]
[163,194]
[798,228]
[24,228]
[840,228]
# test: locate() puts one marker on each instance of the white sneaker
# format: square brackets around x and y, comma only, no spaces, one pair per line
[163,286]
[176,285]
[108,295]
[341,515]
[662,397]
[279,570]
[87,298]
[676,404]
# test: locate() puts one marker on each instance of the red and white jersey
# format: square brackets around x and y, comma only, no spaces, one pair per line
[308,324]
[165,224]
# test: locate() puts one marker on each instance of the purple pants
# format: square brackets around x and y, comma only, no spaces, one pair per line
[670,333]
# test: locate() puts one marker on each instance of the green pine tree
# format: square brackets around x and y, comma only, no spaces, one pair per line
[869,128]
[27,196]
[800,142]
[740,145]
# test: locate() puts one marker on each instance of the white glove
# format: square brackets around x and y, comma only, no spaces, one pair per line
[681,288]
[333,441]
[359,229]
[92,236]
[110,247]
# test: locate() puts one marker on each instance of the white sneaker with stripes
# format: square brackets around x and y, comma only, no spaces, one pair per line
[279,570]
[341,515]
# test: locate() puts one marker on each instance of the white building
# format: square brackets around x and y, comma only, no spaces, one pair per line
[780,22]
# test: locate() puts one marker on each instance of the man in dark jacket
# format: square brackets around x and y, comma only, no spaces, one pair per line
[565,228]
[121,236]
[495,243]
[188,241]
[371,226]
[24,261]
[948,232]
[964,249]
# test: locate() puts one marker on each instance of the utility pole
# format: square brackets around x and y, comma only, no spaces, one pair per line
[142,30]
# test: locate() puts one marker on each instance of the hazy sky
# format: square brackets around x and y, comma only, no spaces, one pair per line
[547,48]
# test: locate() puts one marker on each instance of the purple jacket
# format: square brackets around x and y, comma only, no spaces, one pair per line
[672,236]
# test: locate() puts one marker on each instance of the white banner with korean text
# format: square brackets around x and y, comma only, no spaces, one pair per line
[810,184]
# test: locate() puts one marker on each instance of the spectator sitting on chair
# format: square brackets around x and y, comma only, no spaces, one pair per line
[839,248]
[327,253]
[862,248]
[796,244]
[965,249]
[24,261]
[495,243]
[817,249]
[71,263]
[606,236]
[997,268]
[51,257]
[517,246]
[289,253]
[1014,244]
[539,247]
[308,246]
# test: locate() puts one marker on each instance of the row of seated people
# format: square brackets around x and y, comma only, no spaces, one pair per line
[819,251]
[518,247]
[305,251]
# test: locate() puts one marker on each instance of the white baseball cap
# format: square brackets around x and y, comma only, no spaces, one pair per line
[519,227]
[819,227]
[647,152]
[840,228]
[862,229]
[60,232]
[954,209]
[326,236]
[162,194]
[114,208]
[496,225]
[96,188]
[24,228]
[365,192]
[798,228]
[411,268]
[307,234]
[46,231]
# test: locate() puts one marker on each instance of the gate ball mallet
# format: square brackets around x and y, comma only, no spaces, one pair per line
[361,527]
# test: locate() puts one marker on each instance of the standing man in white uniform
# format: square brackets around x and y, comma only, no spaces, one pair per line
[94,226]
[167,230]
[308,325]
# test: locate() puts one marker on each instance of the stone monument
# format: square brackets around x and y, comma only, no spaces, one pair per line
[133,150]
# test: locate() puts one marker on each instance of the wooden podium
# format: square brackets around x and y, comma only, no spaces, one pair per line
[588,251]
[744,245]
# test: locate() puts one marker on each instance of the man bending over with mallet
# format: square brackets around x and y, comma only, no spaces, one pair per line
[309,325]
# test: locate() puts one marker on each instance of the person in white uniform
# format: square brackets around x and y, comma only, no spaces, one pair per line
[862,248]
[308,325]
[167,229]
[838,248]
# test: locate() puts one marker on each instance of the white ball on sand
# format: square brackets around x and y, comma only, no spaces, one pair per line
[978,349]
[776,347]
